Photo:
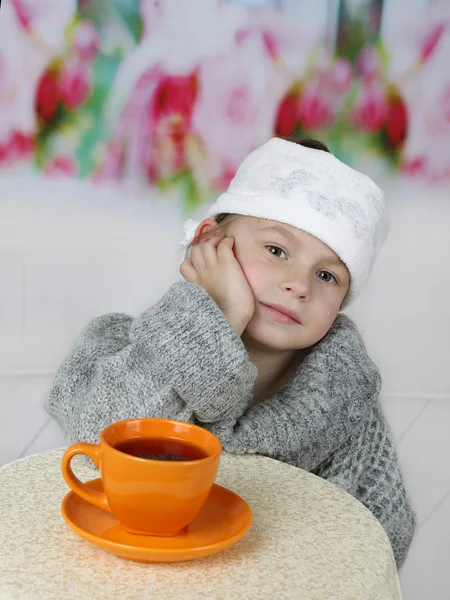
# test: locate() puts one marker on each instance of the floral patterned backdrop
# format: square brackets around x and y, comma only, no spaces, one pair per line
[174,94]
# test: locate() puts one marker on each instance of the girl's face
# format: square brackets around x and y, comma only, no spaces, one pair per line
[288,270]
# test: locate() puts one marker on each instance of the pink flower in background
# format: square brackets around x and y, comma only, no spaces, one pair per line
[239,94]
[397,122]
[171,115]
[47,97]
[17,147]
[414,166]
[286,119]
[150,136]
[69,87]
[323,91]
[340,76]
[58,166]
[28,44]
[315,108]
[86,41]
[174,41]
[74,84]
[175,95]
[418,45]
[372,108]
[424,86]
[369,64]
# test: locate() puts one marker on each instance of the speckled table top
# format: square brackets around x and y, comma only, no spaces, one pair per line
[309,541]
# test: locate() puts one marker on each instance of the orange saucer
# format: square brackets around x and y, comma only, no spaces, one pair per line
[223,520]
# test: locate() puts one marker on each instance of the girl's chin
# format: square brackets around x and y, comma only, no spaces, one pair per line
[270,338]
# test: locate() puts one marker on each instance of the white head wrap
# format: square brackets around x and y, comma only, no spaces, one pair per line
[314,191]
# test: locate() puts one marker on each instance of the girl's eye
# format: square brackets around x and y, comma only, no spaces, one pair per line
[276,251]
[326,277]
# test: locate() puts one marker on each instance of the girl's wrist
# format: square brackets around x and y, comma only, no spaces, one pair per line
[237,322]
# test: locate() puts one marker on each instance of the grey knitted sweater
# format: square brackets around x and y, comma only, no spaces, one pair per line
[181,359]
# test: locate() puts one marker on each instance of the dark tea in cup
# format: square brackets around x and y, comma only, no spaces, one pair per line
[159,448]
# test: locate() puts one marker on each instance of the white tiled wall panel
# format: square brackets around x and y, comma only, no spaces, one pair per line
[22,415]
[11,311]
[85,288]
[402,412]
[425,451]
[67,257]
[426,573]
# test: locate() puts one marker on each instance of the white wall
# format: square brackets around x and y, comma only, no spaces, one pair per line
[68,254]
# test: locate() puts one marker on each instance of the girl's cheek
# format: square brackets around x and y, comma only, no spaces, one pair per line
[255,273]
[328,308]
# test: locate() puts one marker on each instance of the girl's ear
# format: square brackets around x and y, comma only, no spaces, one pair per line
[203,228]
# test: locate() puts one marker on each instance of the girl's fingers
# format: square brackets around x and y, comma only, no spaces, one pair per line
[209,249]
[225,248]
[188,271]
[206,253]
[197,257]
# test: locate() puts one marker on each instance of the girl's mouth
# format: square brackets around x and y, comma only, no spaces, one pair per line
[280,314]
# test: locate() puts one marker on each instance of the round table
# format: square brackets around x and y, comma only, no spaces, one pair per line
[309,541]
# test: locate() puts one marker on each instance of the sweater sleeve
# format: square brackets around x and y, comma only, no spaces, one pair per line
[180,359]
[333,391]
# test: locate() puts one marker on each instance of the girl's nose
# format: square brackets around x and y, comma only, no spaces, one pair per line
[298,284]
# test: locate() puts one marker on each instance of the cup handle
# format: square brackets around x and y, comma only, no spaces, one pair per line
[81,489]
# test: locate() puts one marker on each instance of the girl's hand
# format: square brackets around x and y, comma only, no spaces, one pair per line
[213,266]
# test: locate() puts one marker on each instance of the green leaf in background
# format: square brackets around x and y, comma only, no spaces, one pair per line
[384,55]
[98,11]
[393,154]
[358,25]
[188,189]
[129,13]
[44,136]
[94,113]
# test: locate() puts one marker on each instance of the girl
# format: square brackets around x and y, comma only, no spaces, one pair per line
[252,345]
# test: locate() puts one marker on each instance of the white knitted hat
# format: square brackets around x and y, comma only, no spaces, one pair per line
[314,191]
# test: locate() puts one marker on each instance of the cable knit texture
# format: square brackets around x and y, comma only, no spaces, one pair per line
[181,359]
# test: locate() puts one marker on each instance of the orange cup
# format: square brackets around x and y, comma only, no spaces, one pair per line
[150,496]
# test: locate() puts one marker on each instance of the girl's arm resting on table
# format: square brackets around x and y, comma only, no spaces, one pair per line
[179,359]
